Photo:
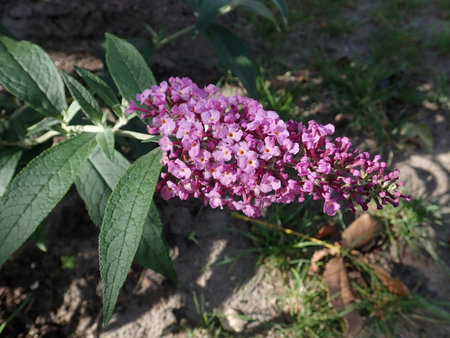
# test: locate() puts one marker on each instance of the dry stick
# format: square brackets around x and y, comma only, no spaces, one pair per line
[288,231]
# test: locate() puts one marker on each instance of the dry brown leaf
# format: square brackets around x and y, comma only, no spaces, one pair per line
[327,230]
[394,286]
[316,257]
[430,105]
[360,232]
[340,293]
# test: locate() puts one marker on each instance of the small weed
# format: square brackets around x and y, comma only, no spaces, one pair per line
[387,311]
[67,262]
[209,324]
[306,307]
[280,100]
[441,40]
[369,95]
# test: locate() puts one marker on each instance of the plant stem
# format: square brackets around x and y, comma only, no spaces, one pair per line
[133,134]
[288,231]
[174,36]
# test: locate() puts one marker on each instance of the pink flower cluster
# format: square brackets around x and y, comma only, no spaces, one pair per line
[229,151]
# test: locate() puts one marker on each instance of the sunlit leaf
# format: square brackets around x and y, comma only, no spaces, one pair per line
[123,223]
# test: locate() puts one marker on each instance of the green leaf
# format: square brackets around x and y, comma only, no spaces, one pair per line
[282,7]
[195,5]
[97,180]
[35,191]
[99,87]
[88,104]
[152,251]
[105,141]
[127,67]
[28,72]
[20,121]
[8,162]
[38,237]
[233,55]
[257,8]
[43,125]
[73,109]
[209,10]
[144,47]
[95,184]
[123,223]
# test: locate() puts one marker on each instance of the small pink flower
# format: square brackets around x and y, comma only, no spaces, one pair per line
[323,167]
[330,207]
[269,149]
[215,199]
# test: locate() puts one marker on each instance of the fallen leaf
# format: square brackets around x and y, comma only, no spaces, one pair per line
[316,257]
[394,286]
[327,230]
[430,105]
[340,293]
[360,232]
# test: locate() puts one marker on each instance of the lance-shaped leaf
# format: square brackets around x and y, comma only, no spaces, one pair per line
[99,87]
[97,180]
[8,162]
[122,225]
[28,72]
[233,55]
[153,252]
[127,67]
[256,7]
[20,120]
[88,104]
[105,141]
[35,191]
[95,184]
[195,5]
[43,125]
[208,10]
[282,7]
